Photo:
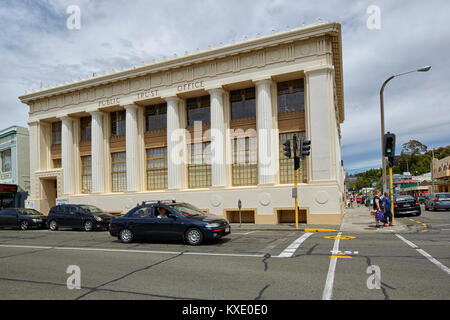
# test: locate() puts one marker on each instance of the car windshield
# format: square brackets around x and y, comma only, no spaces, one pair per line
[29,212]
[403,198]
[92,209]
[443,195]
[188,210]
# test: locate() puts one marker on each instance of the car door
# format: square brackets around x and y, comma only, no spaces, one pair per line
[144,224]
[9,218]
[169,227]
[74,217]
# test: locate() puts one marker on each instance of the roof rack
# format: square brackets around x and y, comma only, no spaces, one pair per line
[158,201]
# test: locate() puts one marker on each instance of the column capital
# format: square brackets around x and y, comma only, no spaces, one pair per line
[172,99]
[323,68]
[33,122]
[263,81]
[96,112]
[213,90]
[65,117]
[130,106]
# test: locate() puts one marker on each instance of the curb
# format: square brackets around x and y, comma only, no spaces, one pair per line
[300,229]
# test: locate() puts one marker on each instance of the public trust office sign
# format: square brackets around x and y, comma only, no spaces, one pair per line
[153,93]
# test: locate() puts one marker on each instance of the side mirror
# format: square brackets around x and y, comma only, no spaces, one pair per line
[172,216]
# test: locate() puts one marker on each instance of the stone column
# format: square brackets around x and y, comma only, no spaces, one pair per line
[264,128]
[98,156]
[132,148]
[34,157]
[175,146]
[67,155]
[320,112]
[218,161]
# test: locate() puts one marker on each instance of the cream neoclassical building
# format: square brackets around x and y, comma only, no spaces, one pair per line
[206,128]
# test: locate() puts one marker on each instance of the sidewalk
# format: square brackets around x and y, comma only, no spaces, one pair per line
[249,227]
[356,219]
[359,219]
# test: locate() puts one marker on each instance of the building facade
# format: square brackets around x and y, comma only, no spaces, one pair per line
[441,174]
[14,166]
[205,128]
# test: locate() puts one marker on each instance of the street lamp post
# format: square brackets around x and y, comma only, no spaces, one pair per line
[383,160]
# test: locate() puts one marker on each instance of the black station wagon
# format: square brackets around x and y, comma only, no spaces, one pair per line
[84,217]
[22,218]
[168,220]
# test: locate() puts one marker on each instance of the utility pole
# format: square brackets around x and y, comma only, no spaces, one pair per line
[383,159]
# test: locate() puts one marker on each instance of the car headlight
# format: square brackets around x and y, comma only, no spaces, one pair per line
[97,218]
[212,225]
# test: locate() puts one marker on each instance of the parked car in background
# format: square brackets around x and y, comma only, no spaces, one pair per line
[168,220]
[438,201]
[406,205]
[21,218]
[73,216]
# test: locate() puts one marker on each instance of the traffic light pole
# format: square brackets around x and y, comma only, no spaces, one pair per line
[391,187]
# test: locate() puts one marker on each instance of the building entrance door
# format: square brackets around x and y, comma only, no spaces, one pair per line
[49,194]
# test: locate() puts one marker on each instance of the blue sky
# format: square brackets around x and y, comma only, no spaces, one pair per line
[35,46]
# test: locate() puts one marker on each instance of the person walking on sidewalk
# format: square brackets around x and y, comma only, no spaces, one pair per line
[387,210]
[377,208]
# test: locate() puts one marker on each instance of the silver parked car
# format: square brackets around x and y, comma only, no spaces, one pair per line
[438,201]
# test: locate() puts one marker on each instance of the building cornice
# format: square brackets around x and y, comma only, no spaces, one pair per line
[283,37]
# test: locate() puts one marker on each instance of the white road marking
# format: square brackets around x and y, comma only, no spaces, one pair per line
[426,255]
[290,250]
[409,243]
[272,245]
[328,290]
[137,251]
[244,233]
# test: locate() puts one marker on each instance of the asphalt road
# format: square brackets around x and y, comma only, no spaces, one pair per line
[246,265]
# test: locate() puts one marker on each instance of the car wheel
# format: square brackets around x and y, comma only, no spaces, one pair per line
[23,225]
[434,209]
[418,214]
[194,237]
[53,225]
[126,236]
[88,226]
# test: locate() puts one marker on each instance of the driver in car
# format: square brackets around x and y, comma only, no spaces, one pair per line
[162,213]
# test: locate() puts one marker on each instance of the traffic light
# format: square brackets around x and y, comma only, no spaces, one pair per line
[393,161]
[287,149]
[305,147]
[295,145]
[389,144]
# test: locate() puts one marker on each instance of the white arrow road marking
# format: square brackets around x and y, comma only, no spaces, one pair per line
[289,251]
[328,290]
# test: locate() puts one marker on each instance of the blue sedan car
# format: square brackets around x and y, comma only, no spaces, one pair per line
[168,221]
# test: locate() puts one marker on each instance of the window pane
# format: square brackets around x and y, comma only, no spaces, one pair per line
[118,123]
[243,103]
[56,132]
[198,109]
[119,172]
[6,160]
[85,128]
[291,96]
[86,174]
[245,161]
[156,117]
[199,167]
[157,169]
